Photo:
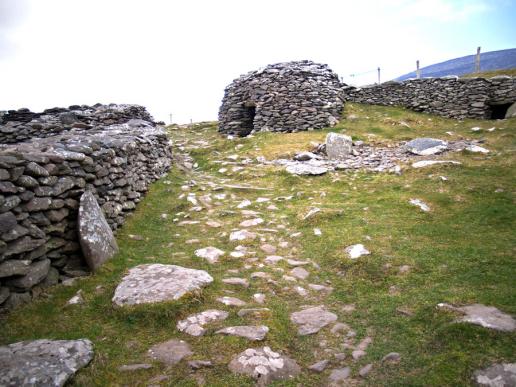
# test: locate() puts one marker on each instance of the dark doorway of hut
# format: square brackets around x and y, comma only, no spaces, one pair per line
[498,112]
[248,118]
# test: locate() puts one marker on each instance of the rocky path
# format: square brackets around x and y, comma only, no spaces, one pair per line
[259,249]
[264,269]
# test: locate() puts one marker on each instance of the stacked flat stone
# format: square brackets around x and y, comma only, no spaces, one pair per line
[282,97]
[102,149]
[448,97]
[21,125]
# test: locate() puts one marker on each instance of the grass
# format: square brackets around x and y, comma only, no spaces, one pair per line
[493,73]
[461,252]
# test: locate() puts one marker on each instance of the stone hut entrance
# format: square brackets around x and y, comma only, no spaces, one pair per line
[499,111]
[248,113]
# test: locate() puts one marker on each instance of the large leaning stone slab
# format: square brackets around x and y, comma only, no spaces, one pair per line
[338,146]
[511,112]
[264,365]
[312,320]
[170,352]
[486,316]
[426,146]
[194,324]
[498,375]
[95,236]
[306,169]
[152,283]
[43,362]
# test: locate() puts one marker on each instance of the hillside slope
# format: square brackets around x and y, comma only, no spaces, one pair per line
[489,61]
[460,252]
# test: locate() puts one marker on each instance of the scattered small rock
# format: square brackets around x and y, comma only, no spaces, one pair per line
[393,357]
[76,299]
[264,365]
[236,281]
[320,366]
[299,273]
[170,352]
[198,364]
[364,371]
[486,316]
[497,375]
[249,332]
[421,204]
[194,324]
[211,254]
[134,367]
[312,320]
[231,301]
[356,251]
[339,375]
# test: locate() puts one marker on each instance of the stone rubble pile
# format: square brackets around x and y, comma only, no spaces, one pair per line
[114,151]
[339,152]
[282,97]
[448,96]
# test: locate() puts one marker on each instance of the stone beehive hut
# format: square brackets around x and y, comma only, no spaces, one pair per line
[282,97]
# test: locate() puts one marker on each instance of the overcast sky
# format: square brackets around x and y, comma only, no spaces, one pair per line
[178,56]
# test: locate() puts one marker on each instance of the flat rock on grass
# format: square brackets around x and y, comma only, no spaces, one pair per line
[421,204]
[95,236]
[264,365]
[320,366]
[236,281]
[194,324]
[268,249]
[170,352]
[152,283]
[428,163]
[210,253]
[247,331]
[242,235]
[312,320]
[339,375]
[486,316]
[299,273]
[306,169]
[497,375]
[251,222]
[426,146]
[356,251]
[43,362]
[231,301]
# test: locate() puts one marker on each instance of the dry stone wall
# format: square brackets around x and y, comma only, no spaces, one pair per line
[114,151]
[449,97]
[282,97]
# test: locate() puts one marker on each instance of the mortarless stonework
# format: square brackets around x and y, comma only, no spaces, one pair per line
[282,97]
[448,96]
[47,161]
